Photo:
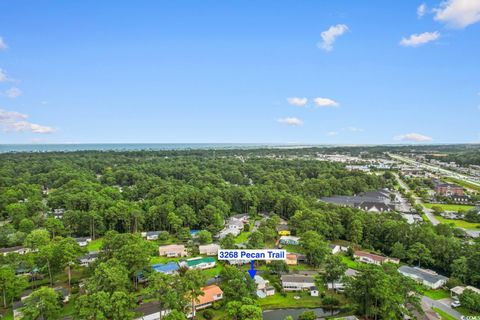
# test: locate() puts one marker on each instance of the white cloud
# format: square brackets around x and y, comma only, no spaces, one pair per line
[325,102]
[3,76]
[329,36]
[3,45]
[297,101]
[416,40]
[354,129]
[413,137]
[16,121]
[458,13]
[291,121]
[421,10]
[13,93]
[332,133]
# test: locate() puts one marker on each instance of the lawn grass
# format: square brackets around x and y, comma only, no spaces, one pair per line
[242,237]
[210,273]
[95,245]
[443,314]
[277,301]
[350,263]
[436,294]
[156,260]
[293,248]
[459,223]
[449,207]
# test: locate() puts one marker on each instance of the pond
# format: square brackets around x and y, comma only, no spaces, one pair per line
[280,314]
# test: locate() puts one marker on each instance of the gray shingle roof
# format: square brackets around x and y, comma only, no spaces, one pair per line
[422,274]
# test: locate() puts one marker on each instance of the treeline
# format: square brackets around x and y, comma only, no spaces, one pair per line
[134,191]
[438,247]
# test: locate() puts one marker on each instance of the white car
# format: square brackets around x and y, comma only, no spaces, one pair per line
[455,304]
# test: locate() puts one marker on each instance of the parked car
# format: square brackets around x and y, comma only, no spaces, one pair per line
[455,304]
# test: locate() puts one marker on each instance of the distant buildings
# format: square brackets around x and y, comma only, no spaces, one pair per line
[448,189]
[172,250]
[17,249]
[372,201]
[372,258]
[426,277]
[89,258]
[83,241]
[234,225]
[151,235]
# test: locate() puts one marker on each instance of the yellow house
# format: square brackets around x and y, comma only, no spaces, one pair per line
[284,232]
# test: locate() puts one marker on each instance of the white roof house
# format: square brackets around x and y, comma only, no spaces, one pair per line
[426,277]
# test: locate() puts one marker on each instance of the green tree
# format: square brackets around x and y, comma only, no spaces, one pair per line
[26,225]
[316,249]
[236,284]
[10,284]
[204,237]
[398,251]
[122,305]
[192,283]
[161,287]
[256,240]
[307,315]
[37,238]
[94,306]
[43,303]
[69,251]
[175,315]
[334,268]
[228,242]
[55,227]
[418,252]
[109,276]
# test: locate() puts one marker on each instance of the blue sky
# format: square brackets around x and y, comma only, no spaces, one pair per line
[239,71]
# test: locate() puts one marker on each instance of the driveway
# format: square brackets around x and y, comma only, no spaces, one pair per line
[442,306]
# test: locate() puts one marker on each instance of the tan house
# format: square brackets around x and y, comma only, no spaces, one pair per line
[172,250]
[209,249]
[372,258]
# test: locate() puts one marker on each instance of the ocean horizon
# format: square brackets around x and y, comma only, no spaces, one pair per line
[6,148]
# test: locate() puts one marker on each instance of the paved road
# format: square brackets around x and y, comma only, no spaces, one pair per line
[442,306]
[427,211]
[437,169]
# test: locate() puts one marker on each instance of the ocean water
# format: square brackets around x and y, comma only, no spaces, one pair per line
[133,146]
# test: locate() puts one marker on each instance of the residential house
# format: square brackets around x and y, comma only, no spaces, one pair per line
[372,258]
[426,277]
[209,249]
[166,268]
[150,311]
[457,291]
[172,250]
[151,235]
[89,258]
[210,295]
[17,249]
[58,213]
[285,240]
[460,199]
[372,201]
[296,282]
[338,284]
[314,291]
[336,248]
[83,241]
[199,263]
[291,259]
[283,229]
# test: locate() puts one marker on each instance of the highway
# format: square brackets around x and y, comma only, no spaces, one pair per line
[437,169]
